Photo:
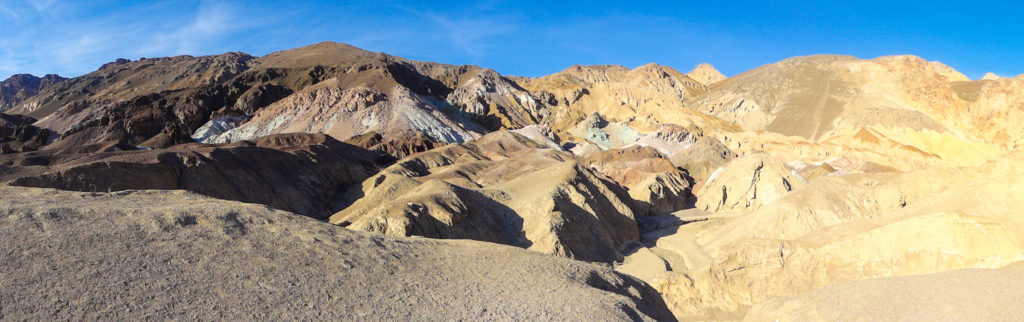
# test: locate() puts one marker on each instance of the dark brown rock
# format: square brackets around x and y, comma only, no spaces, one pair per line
[20,87]
[17,134]
[301,173]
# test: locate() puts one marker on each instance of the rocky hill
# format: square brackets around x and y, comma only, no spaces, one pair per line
[508,189]
[769,194]
[158,102]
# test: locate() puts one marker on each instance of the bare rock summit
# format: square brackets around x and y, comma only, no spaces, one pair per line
[706,74]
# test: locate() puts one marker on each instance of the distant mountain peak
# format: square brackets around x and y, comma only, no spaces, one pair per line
[706,74]
[20,87]
[990,76]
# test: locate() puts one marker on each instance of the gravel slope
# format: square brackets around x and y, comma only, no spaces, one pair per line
[958,295]
[159,254]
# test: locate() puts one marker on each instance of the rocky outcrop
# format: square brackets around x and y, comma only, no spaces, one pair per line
[502,188]
[705,156]
[540,133]
[496,102]
[688,148]
[145,254]
[656,186]
[154,102]
[747,183]
[17,134]
[607,135]
[394,148]
[399,99]
[152,120]
[992,107]
[301,173]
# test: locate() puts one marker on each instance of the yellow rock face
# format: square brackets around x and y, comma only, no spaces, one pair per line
[502,188]
[853,227]
[817,97]
[905,167]
[747,183]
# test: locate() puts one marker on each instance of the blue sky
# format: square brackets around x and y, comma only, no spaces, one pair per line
[516,37]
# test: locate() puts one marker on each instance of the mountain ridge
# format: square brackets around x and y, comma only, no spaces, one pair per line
[813,170]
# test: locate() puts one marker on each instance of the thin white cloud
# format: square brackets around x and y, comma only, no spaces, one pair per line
[71,53]
[75,38]
[9,12]
[472,31]
[7,64]
[211,22]
[468,33]
[41,5]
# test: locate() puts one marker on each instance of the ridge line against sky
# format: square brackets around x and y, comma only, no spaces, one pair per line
[72,38]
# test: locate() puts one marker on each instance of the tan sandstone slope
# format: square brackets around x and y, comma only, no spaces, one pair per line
[507,189]
[747,183]
[642,98]
[817,97]
[976,294]
[136,255]
[812,96]
[706,74]
[843,228]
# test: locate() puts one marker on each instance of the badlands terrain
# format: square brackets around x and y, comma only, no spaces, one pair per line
[329,182]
